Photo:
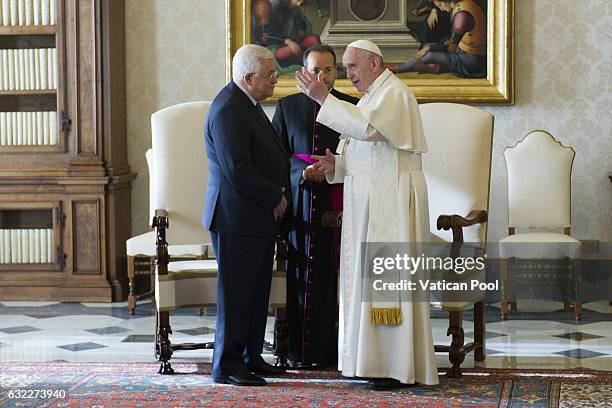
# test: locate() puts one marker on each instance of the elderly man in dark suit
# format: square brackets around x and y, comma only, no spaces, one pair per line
[248,193]
[313,254]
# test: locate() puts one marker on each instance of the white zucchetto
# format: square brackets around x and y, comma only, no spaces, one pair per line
[366,45]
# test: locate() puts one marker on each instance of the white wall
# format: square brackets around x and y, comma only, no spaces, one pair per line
[176,53]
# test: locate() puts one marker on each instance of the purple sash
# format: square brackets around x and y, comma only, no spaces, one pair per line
[304,157]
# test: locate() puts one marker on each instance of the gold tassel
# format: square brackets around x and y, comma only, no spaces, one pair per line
[389,316]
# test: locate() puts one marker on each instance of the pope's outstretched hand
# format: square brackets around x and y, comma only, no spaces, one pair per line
[312,85]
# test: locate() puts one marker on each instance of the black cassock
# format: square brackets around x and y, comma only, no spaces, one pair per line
[312,270]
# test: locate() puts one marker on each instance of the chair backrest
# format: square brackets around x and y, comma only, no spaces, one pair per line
[181,170]
[457,166]
[539,182]
[149,158]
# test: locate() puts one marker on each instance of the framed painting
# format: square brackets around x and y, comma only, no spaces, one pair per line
[444,50]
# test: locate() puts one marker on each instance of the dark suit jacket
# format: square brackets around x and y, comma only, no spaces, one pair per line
[294,122]
[248,166]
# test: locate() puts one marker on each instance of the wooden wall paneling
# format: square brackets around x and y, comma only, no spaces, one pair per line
[63,130]
[118,231]
[118,198]
[87,231]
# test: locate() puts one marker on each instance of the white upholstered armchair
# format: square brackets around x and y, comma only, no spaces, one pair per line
[181,174]
[140,249]
[457,168]
[539,204]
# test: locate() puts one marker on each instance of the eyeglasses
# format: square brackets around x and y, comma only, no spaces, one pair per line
[317,71]
[270,77]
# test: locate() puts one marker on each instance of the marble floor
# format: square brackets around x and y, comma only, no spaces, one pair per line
[539,335]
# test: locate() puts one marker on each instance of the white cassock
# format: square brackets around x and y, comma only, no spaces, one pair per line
[385,200]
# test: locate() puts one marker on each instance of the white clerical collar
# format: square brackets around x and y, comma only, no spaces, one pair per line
[243,89]
[379,81]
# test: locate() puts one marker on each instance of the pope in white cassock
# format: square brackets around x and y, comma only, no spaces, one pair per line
[385,200]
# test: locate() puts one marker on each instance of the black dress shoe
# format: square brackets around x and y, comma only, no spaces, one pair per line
[298,365]
[385,384]
[245,379]
[263,368]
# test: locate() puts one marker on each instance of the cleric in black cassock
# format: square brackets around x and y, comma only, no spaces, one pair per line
[312,270]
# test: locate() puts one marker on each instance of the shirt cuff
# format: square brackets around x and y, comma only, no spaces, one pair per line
[337,177]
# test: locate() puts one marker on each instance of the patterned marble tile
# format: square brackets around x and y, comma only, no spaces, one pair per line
[9,303]
[139,338]
[488,334]
[579,353]
[81,346]
[602,306]
[115,336]
[18,329]
[115,304]
[80,322]
[108,330]
[197,331]
[578,336]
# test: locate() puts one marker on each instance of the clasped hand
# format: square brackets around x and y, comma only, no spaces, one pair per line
[313,175]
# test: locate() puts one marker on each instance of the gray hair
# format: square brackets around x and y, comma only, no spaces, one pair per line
[370,55]
[247,60]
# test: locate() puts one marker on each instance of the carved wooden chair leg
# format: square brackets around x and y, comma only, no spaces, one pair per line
[577,282]
[456,354]
[578,309]
[281,338]
[131,272]
[165,347]
[504,309]
[503,275]
[152,277]
[156,347]
[479,331]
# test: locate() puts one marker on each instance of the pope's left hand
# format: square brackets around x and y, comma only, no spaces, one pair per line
[312,85]
[312,174]
[326,164]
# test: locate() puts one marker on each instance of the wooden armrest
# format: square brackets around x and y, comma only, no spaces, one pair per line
[457,222]
[160,223]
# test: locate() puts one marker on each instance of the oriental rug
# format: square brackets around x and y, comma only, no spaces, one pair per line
[139,385]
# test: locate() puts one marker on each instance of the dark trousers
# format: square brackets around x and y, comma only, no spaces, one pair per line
[243,292]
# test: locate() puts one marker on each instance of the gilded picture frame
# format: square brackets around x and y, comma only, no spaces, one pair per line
[496,88]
